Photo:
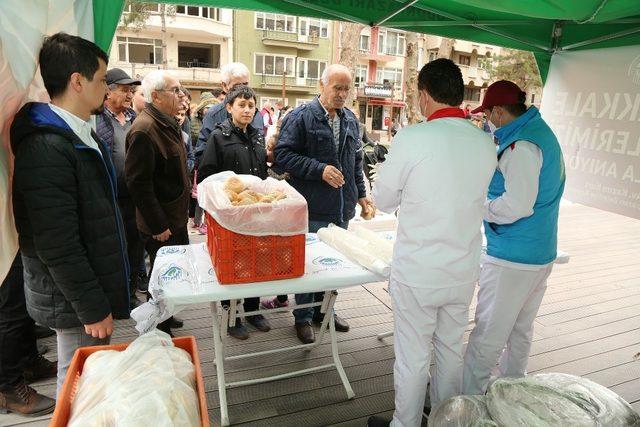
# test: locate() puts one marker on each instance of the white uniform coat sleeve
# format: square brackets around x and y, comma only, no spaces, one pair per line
[520,167]
[392,175]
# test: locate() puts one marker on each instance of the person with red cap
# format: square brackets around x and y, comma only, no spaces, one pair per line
[521,226]
[437,173]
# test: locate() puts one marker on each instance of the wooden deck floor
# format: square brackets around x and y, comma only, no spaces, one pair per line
[589,325]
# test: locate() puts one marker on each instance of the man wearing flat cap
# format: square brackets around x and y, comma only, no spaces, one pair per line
[112,126]
[521,226]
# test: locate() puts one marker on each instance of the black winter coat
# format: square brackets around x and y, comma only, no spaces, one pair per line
[229,149]
[69,226]
[306,146]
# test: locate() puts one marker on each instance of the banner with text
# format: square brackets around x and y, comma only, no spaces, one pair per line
[592,102]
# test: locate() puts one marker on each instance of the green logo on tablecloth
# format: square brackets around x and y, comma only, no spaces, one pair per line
[327,261]
[173,273]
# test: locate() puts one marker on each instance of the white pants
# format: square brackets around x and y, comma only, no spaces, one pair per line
[508,302]
[421,317]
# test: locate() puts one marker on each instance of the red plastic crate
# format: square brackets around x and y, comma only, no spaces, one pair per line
[238,258]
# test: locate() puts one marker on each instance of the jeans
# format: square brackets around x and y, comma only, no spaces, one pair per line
[135,249]
[17,329]
[303,315]
[69,340]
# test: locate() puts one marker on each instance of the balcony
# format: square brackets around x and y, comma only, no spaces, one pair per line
[480,49]
[478,76]
[190,76]
[292,84]
[376,91]
[294,40]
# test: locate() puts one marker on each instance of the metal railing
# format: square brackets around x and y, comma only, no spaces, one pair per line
[270,80]
[290,37]
[196,64]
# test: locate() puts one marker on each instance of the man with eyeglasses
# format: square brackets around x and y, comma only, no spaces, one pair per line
[156,168]
[112,127]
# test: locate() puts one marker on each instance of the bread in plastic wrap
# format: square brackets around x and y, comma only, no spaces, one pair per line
[286,216]
[461,411]
[556,399]
[151,383]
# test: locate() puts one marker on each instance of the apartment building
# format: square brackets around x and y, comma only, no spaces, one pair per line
[199,41]
[285,54]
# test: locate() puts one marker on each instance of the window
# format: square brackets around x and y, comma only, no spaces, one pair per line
[389,76]
[314,27]
[200,11]
[464,60]
[275,22]
[533,98]
[391,43]
[364,42]
[361,75]
[433,55]
[139,50]
[273,65]
[483,63]
[198,55]
[472,93]
[310,68]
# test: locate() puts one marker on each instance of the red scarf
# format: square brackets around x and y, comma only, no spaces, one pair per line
[447,112]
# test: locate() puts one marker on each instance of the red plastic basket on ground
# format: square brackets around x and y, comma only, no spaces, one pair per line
[62,412]
[238,258]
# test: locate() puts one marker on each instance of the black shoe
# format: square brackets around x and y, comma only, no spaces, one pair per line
[259,322]
[341,324]
[165,327]
[22,399]
[175,322]
[376,421]
[239,331]
[39,368]
[142,282]
[305,332]
[43,332]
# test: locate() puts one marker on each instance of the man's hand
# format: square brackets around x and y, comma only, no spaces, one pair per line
[368,209]
[101,329]
[332,176]
[164,236]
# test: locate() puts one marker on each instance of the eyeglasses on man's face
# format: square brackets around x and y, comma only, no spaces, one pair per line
[178,91]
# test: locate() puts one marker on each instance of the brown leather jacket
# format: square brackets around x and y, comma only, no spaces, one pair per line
[156,172]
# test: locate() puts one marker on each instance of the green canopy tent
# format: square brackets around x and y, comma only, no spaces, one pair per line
[540,26]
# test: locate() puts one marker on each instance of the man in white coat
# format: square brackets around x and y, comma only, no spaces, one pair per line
[437,173]
[521,225]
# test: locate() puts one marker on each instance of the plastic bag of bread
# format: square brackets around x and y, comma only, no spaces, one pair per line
[151,383]
[461,411]
[246,204]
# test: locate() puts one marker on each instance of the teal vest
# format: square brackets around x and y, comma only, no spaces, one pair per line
[534,239]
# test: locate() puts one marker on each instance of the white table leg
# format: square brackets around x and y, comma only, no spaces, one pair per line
[327,310]
[218,348]
[334,349]
[385,335]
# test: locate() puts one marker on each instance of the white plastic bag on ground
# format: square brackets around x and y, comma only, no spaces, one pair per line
[151,383]
[461,411]
[286,217]
[557,400]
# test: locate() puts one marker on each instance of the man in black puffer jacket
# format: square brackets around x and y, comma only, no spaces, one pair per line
[64,199]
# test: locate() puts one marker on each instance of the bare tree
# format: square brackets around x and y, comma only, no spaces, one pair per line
[411,79]
[349,38]
[446,48]
[163,32]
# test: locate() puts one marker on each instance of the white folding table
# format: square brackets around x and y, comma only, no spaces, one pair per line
[183,275]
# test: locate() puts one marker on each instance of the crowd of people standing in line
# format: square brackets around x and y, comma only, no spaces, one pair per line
[91,198]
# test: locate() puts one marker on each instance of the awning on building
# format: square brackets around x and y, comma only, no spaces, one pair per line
[380,101]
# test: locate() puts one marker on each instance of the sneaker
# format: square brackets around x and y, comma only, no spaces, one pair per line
[259,322]
[142,281]
[274,303]
[39,368]
[239,331]
[22,399]
[202,229]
